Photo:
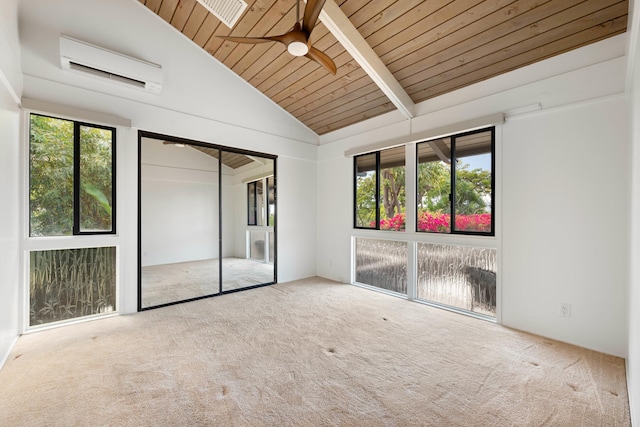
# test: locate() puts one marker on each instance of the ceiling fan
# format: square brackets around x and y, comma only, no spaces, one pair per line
[297,40]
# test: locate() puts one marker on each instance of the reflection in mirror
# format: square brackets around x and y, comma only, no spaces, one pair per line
[248,219]
[206,214]
[179,222]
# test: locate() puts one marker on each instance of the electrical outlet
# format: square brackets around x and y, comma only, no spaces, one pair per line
[565,309]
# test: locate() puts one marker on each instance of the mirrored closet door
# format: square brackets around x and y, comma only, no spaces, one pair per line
[207,220]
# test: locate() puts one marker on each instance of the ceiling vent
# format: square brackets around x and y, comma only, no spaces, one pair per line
[95,61]
[227,11]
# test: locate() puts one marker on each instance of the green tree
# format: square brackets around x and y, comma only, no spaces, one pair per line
[434,186]
[392,191]
[365,199]
[51,177]
[473,187]
[95,178]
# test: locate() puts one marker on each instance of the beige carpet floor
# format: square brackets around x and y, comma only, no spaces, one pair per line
[307,353]
[166,283]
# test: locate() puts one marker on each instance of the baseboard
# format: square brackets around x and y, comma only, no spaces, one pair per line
[6,346]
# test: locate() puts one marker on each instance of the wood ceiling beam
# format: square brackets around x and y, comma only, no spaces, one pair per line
[441,150]
[347,34]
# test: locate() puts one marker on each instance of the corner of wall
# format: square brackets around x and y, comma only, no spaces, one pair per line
[9,222]
[6,346]
[10,68]
[633,318]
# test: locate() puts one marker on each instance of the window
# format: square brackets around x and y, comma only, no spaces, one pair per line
[381,264]
[454,193]
[457,276]
[71,283]
[261,210]
[255,202]
[271,200]
[71,178]
[380,190]
[463,162]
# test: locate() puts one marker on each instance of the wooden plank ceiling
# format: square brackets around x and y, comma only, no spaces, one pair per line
[230,159]
[430,47]
[233,160]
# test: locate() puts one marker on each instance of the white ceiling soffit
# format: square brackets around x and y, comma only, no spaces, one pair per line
[440,132]
[227,11]
[344,31]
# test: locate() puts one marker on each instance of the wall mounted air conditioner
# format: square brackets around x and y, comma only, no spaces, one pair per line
[91,60]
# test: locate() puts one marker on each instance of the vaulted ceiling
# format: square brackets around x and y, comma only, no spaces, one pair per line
[406,51]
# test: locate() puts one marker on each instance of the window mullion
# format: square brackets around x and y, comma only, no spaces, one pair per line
[411,182]
[452,194]
[76,178]
[377,190]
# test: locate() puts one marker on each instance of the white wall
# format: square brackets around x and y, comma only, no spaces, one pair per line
[564,172]
[9,222]
[565,216]
[297,215]
[10,90]
[179,204]
[633,359]
[10,70]
[335,216]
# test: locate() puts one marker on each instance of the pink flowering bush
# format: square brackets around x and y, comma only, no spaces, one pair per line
[476,222]
[433,222]
[394,223]
[439,222]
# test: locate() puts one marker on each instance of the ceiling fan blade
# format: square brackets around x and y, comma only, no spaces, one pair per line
[311,13]
[322,59]
[251,40]
[284,38]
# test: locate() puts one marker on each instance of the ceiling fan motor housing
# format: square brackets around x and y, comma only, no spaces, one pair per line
[298,48]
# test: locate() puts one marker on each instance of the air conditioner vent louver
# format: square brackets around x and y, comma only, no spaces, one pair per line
[227,11]
[111,76]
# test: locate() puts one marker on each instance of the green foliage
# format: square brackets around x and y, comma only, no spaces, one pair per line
[434,186]
[392,192]
[473,188]
[51,157]
[365,200]
[51,176]
[99,197]
[392,195]
[95,178]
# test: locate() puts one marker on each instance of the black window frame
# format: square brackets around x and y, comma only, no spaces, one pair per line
[355,191]
[252,208]
[76,231]
[271,199]
[256,191]
[452,194]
